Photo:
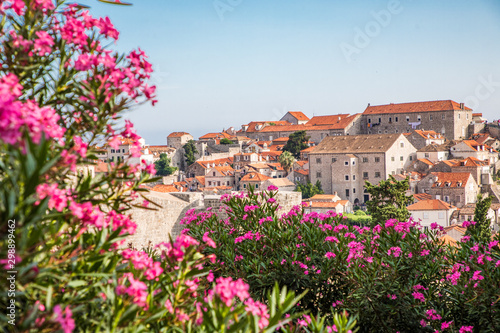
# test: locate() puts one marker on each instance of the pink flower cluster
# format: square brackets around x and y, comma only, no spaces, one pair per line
[177,250]
[136,289]
[227,289]
[17,117]
[64,318]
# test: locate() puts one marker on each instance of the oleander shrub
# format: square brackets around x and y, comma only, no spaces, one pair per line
[394,277]
[63,230]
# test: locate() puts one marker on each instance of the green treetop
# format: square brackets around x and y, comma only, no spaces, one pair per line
[481,230]
[297,142]
[163,167]
[388,200]
[189,152]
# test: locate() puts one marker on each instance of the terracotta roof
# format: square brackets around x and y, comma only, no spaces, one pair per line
[217,162]
[356,143]
[224,170]
[451,179]
[254,177]
[337,125]
[165,188]
[456,227]
[258,166]
[301,163]
[177,134]
[123,142]
[298,115]
[480,138]
[252,125]
[308,149]
[281,182]
[302,172]
[426,161]
[422,196]
[276,166]
[433,204]
[282,139]
[429,134]
[101,167]
[451,163]
[215,136]
[471,161]
[329,197]
[446,105]
[323,204]
[200,179]
[327,120]
[156,150]
[468,209]
[448,240]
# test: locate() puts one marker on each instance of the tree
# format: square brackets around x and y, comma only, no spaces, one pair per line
[163,167]
[189,152]
[286,160]
[481,230]
[388,200]
[226,141]
[309,190]
[297,142]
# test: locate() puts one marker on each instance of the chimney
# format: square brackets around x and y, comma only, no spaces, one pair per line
[368,104]
[461,106]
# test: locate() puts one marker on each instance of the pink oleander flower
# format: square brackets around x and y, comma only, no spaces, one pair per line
[434,225]
[395,251]
[330,255]
[272,188]
[44,42]
[418,296]
[154,271]
[465,329]
[446,324]
[208,240]
[64,318]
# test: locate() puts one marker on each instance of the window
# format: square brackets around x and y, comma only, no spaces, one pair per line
[379,120]
[365,159]
[377,174]
[411,158]
[407,118]
[377,159]
[466,116]
[397,131]
[318,174]
[441,215]
[459,116]
[419,118]
[334,160]
[353,178]
[443,116]
[426,216]
[401,158]
[427,155]
[244,185]
[369,121]
[446,198]
[390,119]
[209,183]
[365,175]
[318,160]
[123,150]
[353,162]
[256,185]
[392,159]
[347,192]
[396,119]
[430,117]
[346,177]
[112,150]
[346,163]
[401,144]
[353,190]
[213,173]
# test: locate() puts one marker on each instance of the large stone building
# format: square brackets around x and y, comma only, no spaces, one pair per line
[447,117]
[343,163]
[456,188]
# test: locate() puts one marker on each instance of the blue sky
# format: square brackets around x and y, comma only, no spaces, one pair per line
[222,63]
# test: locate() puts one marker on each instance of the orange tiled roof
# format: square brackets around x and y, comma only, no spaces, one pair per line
[472,161]
[308,149]
[282,139]
[253,124]
[276,166]
[457,227]
[327,120]
[426,161]
[225,170]
[330,197]
[216,136]
[302,172]
[451,179]
[177,134]
[165,188]
[254,177]
[429,134]
[320,204]
[451,163]
[200,179]
[448,240]
[433,204]
[298,115]
[217,162]
[446,105]
[422,196]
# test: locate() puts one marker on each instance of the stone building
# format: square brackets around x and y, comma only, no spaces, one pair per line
[432,211]
[456,188]
[343,163]
[295,117]
[421,138]
[449,118]
[178,139]
[434,152]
